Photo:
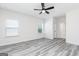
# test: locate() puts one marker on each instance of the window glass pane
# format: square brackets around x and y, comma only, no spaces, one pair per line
[12,23]
[11,32]
[40,28]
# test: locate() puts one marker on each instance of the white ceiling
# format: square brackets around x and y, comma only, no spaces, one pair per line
[27,8]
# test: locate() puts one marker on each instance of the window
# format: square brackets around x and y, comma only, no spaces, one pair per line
[40,28]
[12,27]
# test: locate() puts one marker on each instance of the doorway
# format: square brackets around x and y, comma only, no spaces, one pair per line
[60,27]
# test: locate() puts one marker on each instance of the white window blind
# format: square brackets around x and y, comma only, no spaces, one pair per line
[12,27]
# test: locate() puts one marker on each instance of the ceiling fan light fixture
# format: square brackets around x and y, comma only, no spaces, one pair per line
[43,11]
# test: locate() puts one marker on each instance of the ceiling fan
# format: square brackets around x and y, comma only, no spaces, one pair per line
[44,10]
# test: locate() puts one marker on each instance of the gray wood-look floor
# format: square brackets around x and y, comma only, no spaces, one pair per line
[41,47]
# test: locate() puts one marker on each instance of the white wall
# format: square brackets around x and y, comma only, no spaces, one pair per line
[72,27]
[48,28]
[60,24]
[27,30]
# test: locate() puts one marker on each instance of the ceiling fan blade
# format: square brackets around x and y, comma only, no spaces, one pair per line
[49,8]
[40,12]
[47,12]
[42,4]
[38,9]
